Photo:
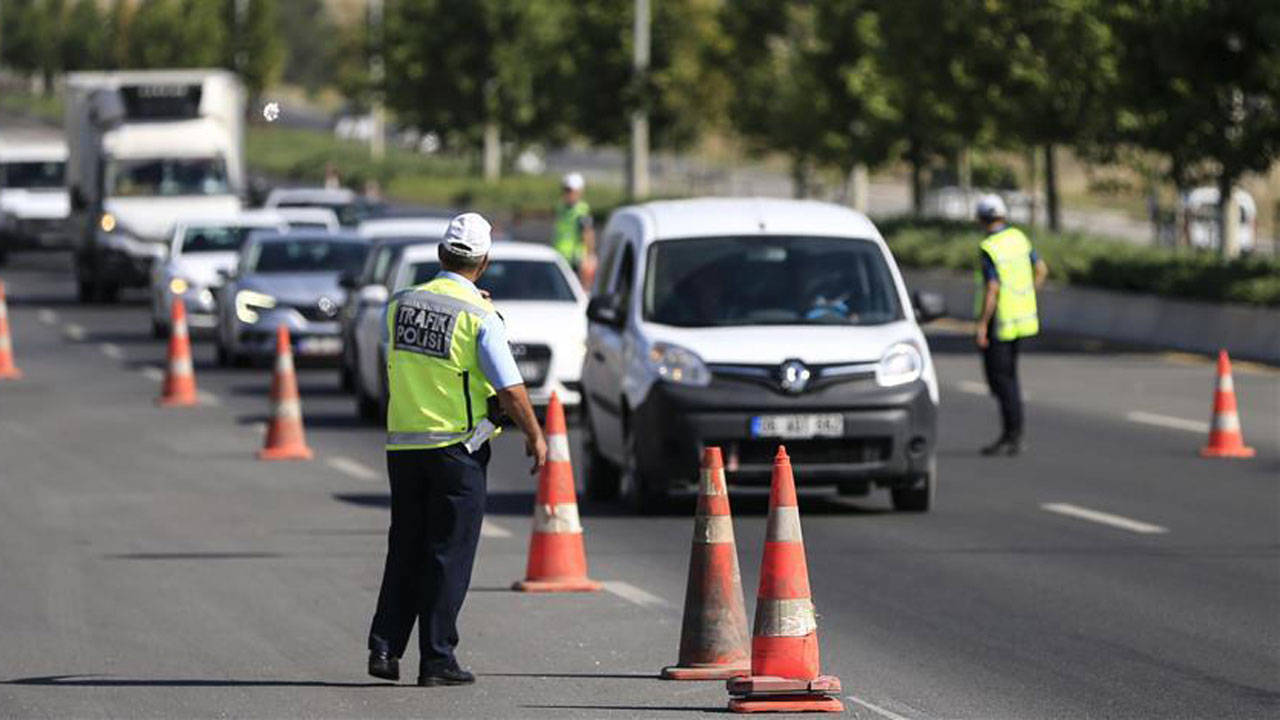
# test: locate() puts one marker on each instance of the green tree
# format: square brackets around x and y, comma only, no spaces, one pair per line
[84,39]
[307,62]
[115,51]
[1200,84]
[478,71]
[255,49]
[176,34]
[20,23]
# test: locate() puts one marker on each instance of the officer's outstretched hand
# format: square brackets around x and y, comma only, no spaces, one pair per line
[536,448]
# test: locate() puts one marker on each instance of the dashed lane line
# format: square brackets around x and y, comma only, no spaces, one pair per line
[1104,518]
[883,712]
[631,593]
[972,387]
[112,351]
[151,372]
[491,530]
[74,331]
[355,469]
[205,397]
[47,316]
[1167,421]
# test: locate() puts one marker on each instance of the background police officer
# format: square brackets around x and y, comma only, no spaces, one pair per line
[573,234]
[1011,271]
[447,355]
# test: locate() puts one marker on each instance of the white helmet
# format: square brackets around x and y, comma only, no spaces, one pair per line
[991,207]
[573,181]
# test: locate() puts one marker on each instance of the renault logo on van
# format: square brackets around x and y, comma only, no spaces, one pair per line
[793,377]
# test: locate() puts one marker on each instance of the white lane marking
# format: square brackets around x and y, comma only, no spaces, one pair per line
[1167,421]
[631,593]
[490,530]
[74,331]
[1116,521]
[112,351]
[151,372]
[884,712]
[972,387]
[47,316]
[207,398]
[350,467]
[258,428]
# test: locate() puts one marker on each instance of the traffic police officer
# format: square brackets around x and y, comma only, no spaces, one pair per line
[573,234]
[1005,305]
[447,357]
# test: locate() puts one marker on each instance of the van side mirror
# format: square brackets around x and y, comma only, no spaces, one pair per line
[606,309]
[929,306]
[373,295]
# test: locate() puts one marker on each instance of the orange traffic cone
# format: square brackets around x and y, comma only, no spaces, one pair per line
[285,439]
[8,371]
[713,638]
[1225,437]
[557,557]
[179,388]
[784,646]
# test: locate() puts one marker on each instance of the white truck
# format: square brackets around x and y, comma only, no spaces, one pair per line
[146,149]
[33,193]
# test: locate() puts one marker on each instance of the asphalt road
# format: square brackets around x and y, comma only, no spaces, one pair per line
[151,567]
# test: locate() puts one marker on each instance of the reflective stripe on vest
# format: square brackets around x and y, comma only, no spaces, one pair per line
[1016,312]
[437,391]
[566,236]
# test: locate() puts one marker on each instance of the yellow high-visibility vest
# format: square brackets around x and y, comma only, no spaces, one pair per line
[1016,314]
[438,393]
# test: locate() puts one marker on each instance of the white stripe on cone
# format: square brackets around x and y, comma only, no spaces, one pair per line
[1226,422]
[1226,383]
[558,448]
[709,486]
[560,518]
[791,617]
[784,525]
[181,366]
[713,529]
[289,409]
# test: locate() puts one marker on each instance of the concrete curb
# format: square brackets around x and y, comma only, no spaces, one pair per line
[1247,332]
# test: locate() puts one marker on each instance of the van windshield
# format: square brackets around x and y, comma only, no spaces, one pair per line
[33,175]
[167,177]
[713,282]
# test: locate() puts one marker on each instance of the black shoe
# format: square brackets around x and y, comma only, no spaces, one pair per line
[1004,446]
[384,665]
[445,675]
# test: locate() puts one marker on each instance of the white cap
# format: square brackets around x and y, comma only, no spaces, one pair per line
[991,207]
[469,236]
[573,181]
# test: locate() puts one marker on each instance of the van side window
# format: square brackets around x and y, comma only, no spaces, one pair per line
[626,275]
[613,246]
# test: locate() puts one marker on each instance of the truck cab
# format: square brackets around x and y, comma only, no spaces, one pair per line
[147,149]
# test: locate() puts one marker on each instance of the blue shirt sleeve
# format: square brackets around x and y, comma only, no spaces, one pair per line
[496,361]
[988,268]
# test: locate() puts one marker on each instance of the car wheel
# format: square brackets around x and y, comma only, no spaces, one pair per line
[4,257]
[108,293]
[86,291]
[366,405]
[346,378]
[917,496]
[637,488]
[602,476]
[223,357]
[160,331]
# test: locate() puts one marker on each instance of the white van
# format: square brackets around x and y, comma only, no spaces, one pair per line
[748,324]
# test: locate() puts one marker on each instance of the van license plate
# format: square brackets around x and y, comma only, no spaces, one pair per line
[319,346]
[798,426]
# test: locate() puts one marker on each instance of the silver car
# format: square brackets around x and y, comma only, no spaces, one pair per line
[289,279]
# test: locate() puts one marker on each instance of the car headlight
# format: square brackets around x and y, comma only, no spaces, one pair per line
[178,286]
[678,365]
[900,364]
[247,300]
[107,222]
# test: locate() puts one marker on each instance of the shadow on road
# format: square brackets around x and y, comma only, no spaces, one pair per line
[194,556]
[609,676]
[310,420]
[956,343]
[100,681]
[630,708]
[305,389]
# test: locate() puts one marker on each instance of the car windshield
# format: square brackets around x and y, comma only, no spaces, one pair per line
[215,238]
[511,280]
[33,175]
[352,213]
[167,177]
[711,282]
[303,256]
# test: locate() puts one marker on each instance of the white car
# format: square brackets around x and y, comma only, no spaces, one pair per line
[309,218]
[748,324]
[199,250]
[397,227]
[538,297]
[33,194]
[349,207]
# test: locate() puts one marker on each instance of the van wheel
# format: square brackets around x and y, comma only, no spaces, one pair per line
[366,405]
[917,496]
[603,478]
[86,291]
[637,488]
[160,331]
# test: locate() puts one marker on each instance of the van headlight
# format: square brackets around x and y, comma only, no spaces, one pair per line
[678,365]
[178,285]
[247,300]
[900,364]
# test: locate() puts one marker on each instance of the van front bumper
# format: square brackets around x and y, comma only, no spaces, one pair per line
[889,433]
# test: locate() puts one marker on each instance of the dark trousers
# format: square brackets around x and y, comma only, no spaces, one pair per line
[437,504]
[1000,361]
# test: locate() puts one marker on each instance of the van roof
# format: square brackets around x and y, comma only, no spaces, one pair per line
[115,78]
[32,150]
[711,217]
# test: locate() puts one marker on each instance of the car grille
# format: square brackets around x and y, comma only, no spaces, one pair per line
[828,451]
[534,361]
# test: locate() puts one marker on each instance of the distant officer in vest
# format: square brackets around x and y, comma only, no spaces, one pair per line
[574,236]
[1005,305]
[447,358]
